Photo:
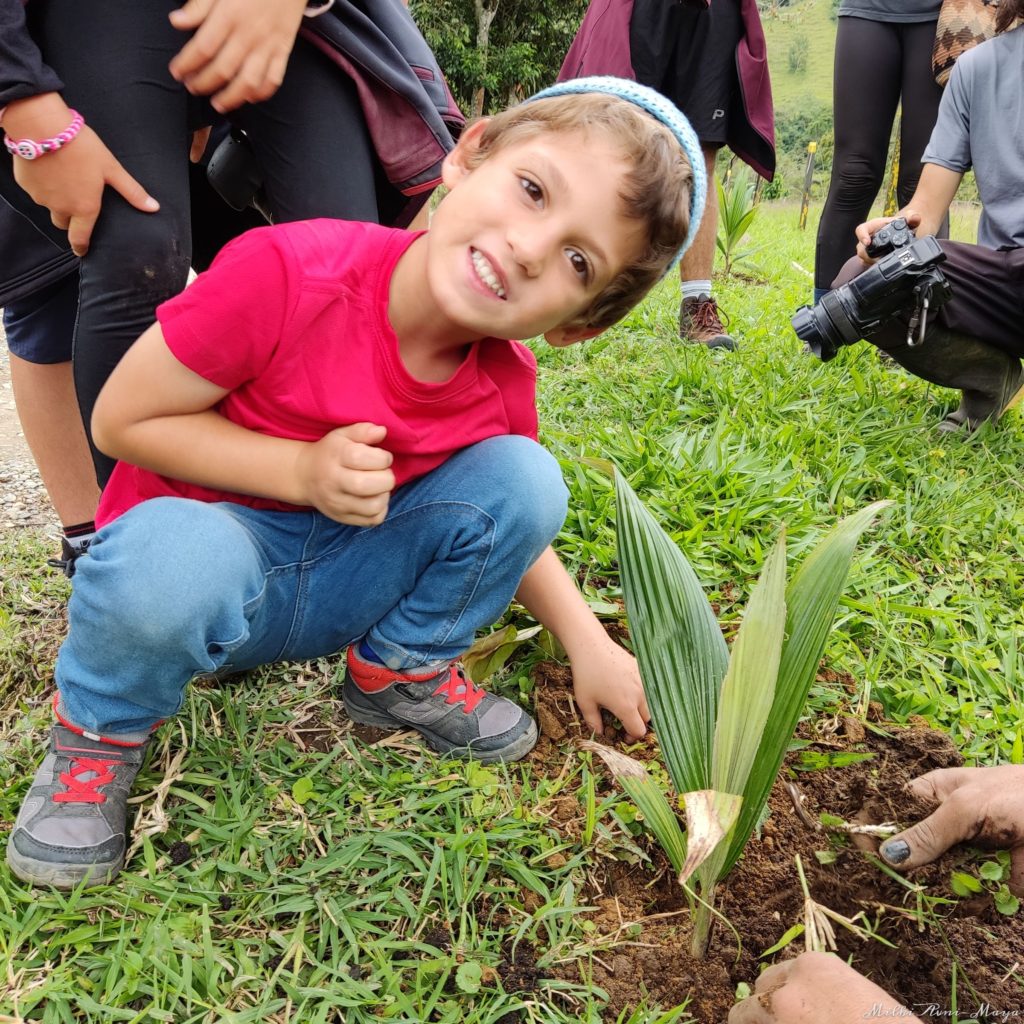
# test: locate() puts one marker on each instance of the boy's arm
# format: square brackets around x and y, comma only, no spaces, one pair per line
[156,413]
[604,674]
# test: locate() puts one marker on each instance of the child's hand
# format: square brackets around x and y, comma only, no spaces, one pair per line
[239,51]
[605,675]
[346,476]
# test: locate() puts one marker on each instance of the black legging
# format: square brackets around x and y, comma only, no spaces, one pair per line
[878,65]
[112,56]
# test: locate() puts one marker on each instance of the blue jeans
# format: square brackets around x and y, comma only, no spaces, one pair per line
[176,588]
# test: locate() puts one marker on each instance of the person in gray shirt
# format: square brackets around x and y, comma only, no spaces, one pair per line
[976,340]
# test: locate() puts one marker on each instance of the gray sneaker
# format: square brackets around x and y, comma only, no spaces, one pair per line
[454,716]
[71,826]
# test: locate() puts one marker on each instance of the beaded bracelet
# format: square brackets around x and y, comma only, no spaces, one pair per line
[30,149]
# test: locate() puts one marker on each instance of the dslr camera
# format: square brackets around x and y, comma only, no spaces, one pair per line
[905,278]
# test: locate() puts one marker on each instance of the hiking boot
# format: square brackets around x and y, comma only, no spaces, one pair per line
[71,827]
[454,716]
[700,323]
[991,380]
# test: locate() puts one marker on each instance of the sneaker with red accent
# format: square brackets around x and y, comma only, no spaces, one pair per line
[454,716]
[71,827]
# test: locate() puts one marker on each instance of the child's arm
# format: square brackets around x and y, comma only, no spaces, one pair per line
[156,413]
[603,673]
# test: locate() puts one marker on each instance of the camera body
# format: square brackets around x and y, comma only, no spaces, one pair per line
[907,270]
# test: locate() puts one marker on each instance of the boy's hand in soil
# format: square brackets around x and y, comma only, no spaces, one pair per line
[346,476]
[239,51]
[981,806]
[816,988]
[605,675]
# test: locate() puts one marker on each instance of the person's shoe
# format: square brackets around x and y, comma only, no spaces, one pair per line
[72,826]
[700,322]
[978,406]
[453,715]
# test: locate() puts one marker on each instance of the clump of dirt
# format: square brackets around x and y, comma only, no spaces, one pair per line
[644,910]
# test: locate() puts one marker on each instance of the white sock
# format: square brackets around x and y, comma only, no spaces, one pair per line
[695,289]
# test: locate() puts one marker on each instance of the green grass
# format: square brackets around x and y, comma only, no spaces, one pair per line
[287,872]
[810,19]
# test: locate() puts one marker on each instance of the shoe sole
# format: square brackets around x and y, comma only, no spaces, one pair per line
[60,876]
[513,751]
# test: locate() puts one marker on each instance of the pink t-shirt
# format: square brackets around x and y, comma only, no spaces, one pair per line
[293,319]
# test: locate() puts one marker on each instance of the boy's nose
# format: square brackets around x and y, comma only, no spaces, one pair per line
[529,248]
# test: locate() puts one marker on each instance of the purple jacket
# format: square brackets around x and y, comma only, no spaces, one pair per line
[601,47]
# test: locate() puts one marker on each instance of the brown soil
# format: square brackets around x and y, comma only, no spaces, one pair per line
[762,897]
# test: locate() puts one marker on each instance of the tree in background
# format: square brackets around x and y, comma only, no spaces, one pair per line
[494,52]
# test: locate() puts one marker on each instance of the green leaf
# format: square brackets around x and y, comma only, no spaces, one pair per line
[679,646]
[787,937]
[992,870]
[489,653]
[649,798]
[963,884]
[302,790]
[749,687]
[468,977]
[819,760]
[811,601]
[826,856]
[1006,902]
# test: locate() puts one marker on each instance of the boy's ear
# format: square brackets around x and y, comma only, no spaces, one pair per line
[455,167]
[562,337]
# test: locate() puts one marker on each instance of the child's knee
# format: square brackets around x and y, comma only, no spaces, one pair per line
[535,486]
[163,565]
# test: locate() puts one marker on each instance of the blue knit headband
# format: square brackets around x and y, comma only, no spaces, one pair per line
[667,113]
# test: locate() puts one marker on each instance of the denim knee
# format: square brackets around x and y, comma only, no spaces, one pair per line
[525,481]
[167,569]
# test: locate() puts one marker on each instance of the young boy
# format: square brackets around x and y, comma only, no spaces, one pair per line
[325,442]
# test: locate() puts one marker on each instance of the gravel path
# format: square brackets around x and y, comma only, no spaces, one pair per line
[23,500]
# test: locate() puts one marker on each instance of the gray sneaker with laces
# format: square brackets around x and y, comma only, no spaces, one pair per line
[71,827]
[453,715]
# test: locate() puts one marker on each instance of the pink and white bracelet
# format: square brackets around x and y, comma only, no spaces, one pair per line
[31,149]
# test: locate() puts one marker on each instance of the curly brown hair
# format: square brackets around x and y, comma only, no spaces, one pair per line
[656,190]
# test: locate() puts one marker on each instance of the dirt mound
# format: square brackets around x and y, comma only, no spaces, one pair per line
[943,948]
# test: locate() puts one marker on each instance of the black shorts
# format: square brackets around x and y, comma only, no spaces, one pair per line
[687,52]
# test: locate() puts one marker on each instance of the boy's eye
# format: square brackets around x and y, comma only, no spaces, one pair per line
[579,263]
[533,191]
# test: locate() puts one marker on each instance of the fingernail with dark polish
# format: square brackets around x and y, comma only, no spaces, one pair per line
[896,851]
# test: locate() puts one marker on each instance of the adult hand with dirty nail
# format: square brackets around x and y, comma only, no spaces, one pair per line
[816,988]
[981,806]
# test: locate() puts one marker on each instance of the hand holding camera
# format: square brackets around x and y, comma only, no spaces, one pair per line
[909,221]
[904,283]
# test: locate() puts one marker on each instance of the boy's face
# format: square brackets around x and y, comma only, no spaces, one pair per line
[525,241]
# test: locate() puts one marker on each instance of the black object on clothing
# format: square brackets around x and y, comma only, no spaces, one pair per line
[877,67]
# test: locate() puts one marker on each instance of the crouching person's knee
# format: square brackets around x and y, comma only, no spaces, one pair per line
[163,571]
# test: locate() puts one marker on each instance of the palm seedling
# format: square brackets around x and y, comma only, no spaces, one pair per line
[724,723]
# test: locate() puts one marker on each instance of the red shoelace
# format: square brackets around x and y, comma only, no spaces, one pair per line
[458,688]
[85,791]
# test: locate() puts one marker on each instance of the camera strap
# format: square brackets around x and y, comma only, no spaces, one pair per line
[918,323]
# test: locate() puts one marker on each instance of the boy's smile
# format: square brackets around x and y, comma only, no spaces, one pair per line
[522,243]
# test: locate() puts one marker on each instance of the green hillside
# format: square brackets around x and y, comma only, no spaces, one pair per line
[809,20]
